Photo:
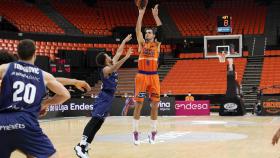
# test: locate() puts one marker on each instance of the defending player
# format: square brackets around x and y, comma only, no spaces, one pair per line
[103,103]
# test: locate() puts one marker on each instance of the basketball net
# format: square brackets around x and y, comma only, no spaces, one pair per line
[222,57]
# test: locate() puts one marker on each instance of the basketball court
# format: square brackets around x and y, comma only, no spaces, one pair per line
[225,54]
[194,137]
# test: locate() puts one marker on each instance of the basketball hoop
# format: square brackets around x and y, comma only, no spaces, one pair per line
[222,57]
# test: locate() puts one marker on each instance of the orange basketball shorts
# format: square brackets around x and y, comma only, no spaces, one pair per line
[147,85]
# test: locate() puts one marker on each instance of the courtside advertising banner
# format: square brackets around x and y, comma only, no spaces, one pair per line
[119,107]
[191,108]
[270,105]
[72,107]
[165,107]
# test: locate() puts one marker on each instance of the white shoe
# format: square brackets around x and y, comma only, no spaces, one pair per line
[81,152]
[136,138]
[152,137]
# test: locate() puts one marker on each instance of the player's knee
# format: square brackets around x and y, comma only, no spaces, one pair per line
[155,102]
[154,106]
[155,99]
[139,103]
[138,106]
[98,118]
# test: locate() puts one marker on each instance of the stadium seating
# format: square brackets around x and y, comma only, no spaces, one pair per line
[200,76]
[103,17]
[200,55]
[27,17]
[51,48]
[272,52]
[191,55]
[193,19]
[271,75]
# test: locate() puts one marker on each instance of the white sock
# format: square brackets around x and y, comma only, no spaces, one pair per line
[84,140]
[154,125]
[135,124]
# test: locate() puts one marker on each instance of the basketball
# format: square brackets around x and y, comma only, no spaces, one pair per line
[141,3]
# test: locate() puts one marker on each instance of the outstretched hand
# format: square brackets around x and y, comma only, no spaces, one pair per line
[128,38]
[155,10]
[82,85]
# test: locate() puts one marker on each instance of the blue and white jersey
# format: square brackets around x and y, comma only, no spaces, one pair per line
[22,88]
[103,102]
[109,84]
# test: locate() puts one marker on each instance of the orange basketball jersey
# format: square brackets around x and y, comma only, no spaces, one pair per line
[148,57]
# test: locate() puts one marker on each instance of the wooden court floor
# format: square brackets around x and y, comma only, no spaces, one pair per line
[179,137]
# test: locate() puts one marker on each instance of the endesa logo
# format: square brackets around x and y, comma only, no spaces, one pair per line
[188,108]
[191,106]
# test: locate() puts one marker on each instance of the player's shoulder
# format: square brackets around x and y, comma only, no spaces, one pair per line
[4,67]
[142,43]
[47,76]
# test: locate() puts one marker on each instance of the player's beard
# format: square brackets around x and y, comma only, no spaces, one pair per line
[149,40]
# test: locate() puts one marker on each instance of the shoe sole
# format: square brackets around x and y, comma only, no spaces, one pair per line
[77,152]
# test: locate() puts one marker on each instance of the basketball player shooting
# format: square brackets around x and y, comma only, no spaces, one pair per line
[22,91]
[147,79]
[103,103]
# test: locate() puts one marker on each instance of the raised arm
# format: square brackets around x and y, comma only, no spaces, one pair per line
[120,49]
[159,26]
[155,14]
[139,34]
[109,69]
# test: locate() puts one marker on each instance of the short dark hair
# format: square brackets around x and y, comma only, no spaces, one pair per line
[26,49]
[154,29]
[101,60]
[6,57]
